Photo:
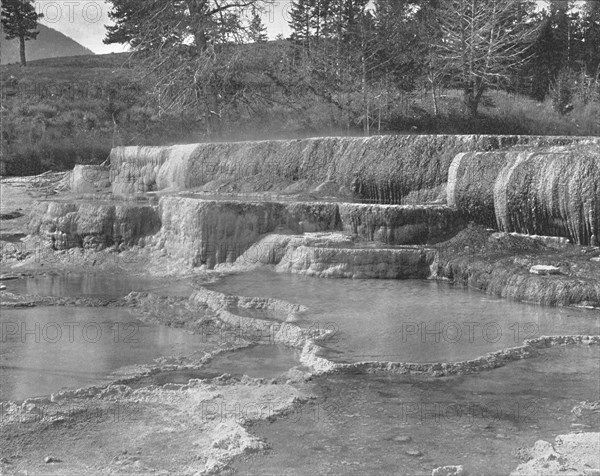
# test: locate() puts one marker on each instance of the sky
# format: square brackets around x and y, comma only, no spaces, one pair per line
[84,20]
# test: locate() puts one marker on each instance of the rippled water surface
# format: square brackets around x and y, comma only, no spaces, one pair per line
[386,424]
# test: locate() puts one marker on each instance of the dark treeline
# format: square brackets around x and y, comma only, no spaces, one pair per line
[451,43]
[359,59]
[204,70]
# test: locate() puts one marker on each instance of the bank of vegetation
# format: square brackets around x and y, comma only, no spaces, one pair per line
[349,67]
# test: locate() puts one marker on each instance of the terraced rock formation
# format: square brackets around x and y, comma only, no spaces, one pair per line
[527,185]
[209,232]
[538,191]
[382,169]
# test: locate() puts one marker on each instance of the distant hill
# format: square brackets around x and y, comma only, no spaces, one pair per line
[49,44]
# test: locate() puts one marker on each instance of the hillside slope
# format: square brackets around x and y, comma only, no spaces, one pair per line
[49,44]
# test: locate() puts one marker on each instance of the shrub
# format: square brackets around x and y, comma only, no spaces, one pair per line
[562,91]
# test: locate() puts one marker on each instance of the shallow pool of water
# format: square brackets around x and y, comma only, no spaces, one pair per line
[409,321]
[262,361]
[44,349]
[390,424]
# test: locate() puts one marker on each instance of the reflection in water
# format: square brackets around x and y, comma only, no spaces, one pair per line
[44,349]
[97,285]
[410,321]
[262,361]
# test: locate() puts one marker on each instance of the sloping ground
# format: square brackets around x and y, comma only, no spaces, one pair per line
[546,191]
[49,44]
[383,169]
[499,264]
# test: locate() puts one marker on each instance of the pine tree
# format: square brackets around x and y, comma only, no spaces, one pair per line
[543,66]
[300,21]
[591,35]
[19,20]
[563,29]
[181,47]
[257,31]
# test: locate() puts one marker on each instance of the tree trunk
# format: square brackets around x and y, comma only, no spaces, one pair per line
[472,98]
[366,123]
[436,109]
[214,112]
[22,50]
[431,77]
[209,100]
[205,91]
[468,100]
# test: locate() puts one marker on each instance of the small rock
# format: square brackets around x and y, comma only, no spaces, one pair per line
[50,459]
[413,453]
[580,425]
[402,438]
[449,471]
[597,259]
[2,287]
[544,270]
[544,450]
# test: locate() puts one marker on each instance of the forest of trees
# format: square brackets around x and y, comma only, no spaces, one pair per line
[206,70]
[464,44]
[359,55]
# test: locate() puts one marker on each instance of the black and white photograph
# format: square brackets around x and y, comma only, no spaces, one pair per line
[300,237]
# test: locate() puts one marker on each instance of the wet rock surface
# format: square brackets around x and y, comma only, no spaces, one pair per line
[367,166]
[177,417]
[500,264]
[545,191]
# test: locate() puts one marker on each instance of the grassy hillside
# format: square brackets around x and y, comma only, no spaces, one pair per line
[62,111]
[49,44]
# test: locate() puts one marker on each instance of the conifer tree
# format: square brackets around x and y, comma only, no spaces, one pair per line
[257,31]
[300,21]
[19,20]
